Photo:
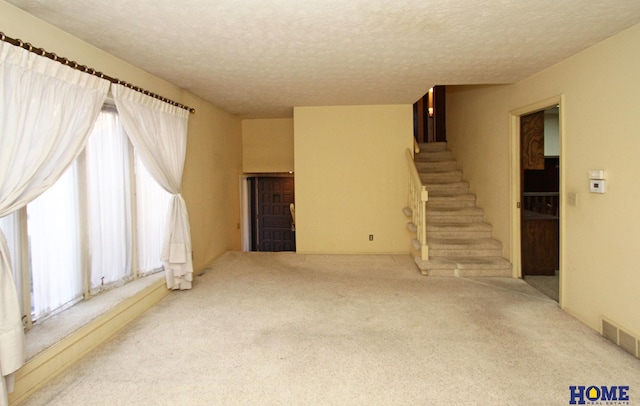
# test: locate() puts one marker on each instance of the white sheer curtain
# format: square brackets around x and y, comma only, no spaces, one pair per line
[158,131]
[108,202]
[46,112]
[152,206]
[54,246]
[10,226]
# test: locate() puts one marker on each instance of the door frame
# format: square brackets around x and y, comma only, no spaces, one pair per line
[515,187]
[246,218]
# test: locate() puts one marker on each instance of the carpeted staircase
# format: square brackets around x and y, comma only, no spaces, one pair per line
[460,242]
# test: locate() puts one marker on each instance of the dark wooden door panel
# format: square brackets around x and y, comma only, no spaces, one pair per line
[540,245]
[274,221]
[532,140]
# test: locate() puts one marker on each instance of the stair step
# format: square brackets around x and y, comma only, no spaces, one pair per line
[480,247]
[447,189]
[436,166]
[464,252]
[457,243]
[441,177]
[432,146]
[466,267]
[454,231]
[454,215]
[465,200]
[459,230]
[433,156]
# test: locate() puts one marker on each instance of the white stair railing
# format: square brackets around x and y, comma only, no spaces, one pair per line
[418,197]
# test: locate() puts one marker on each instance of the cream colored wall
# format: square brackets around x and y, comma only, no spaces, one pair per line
[599,130]
[267,145]
[352,178]
[214,145]
[211,184]
[478,136]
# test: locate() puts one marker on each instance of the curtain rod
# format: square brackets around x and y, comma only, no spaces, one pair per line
[76,65]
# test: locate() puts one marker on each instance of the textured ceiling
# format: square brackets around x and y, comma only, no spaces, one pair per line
[259,58]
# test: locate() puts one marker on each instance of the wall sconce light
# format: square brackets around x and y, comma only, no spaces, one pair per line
[430,109]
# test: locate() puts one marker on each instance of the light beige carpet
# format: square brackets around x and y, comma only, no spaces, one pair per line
[291,329]
[547,284]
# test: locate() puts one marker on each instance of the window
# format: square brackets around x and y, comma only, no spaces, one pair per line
[53,225]
[80,233]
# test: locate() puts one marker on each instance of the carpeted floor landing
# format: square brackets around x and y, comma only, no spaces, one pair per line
[293,329]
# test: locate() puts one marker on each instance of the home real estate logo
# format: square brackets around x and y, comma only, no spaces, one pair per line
[599,395]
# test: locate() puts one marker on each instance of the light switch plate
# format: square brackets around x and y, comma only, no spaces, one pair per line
[596,174]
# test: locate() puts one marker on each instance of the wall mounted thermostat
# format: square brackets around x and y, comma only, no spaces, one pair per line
[597,185]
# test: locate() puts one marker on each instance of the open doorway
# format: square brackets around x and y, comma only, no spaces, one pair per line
[268,218]
[540,203]
[537,222]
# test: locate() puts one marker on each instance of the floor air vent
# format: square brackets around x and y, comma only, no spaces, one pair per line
[625,340]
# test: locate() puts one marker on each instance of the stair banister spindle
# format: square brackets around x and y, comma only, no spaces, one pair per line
[424,197]
[418,196]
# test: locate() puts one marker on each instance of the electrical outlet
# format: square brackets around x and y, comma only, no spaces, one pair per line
[370,237]
[572,199]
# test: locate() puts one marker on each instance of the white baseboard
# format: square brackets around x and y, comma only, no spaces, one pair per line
[45,366]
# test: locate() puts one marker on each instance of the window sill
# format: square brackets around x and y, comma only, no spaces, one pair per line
[61,340]
[55,328]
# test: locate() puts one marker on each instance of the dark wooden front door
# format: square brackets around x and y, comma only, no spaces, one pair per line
[273,227]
